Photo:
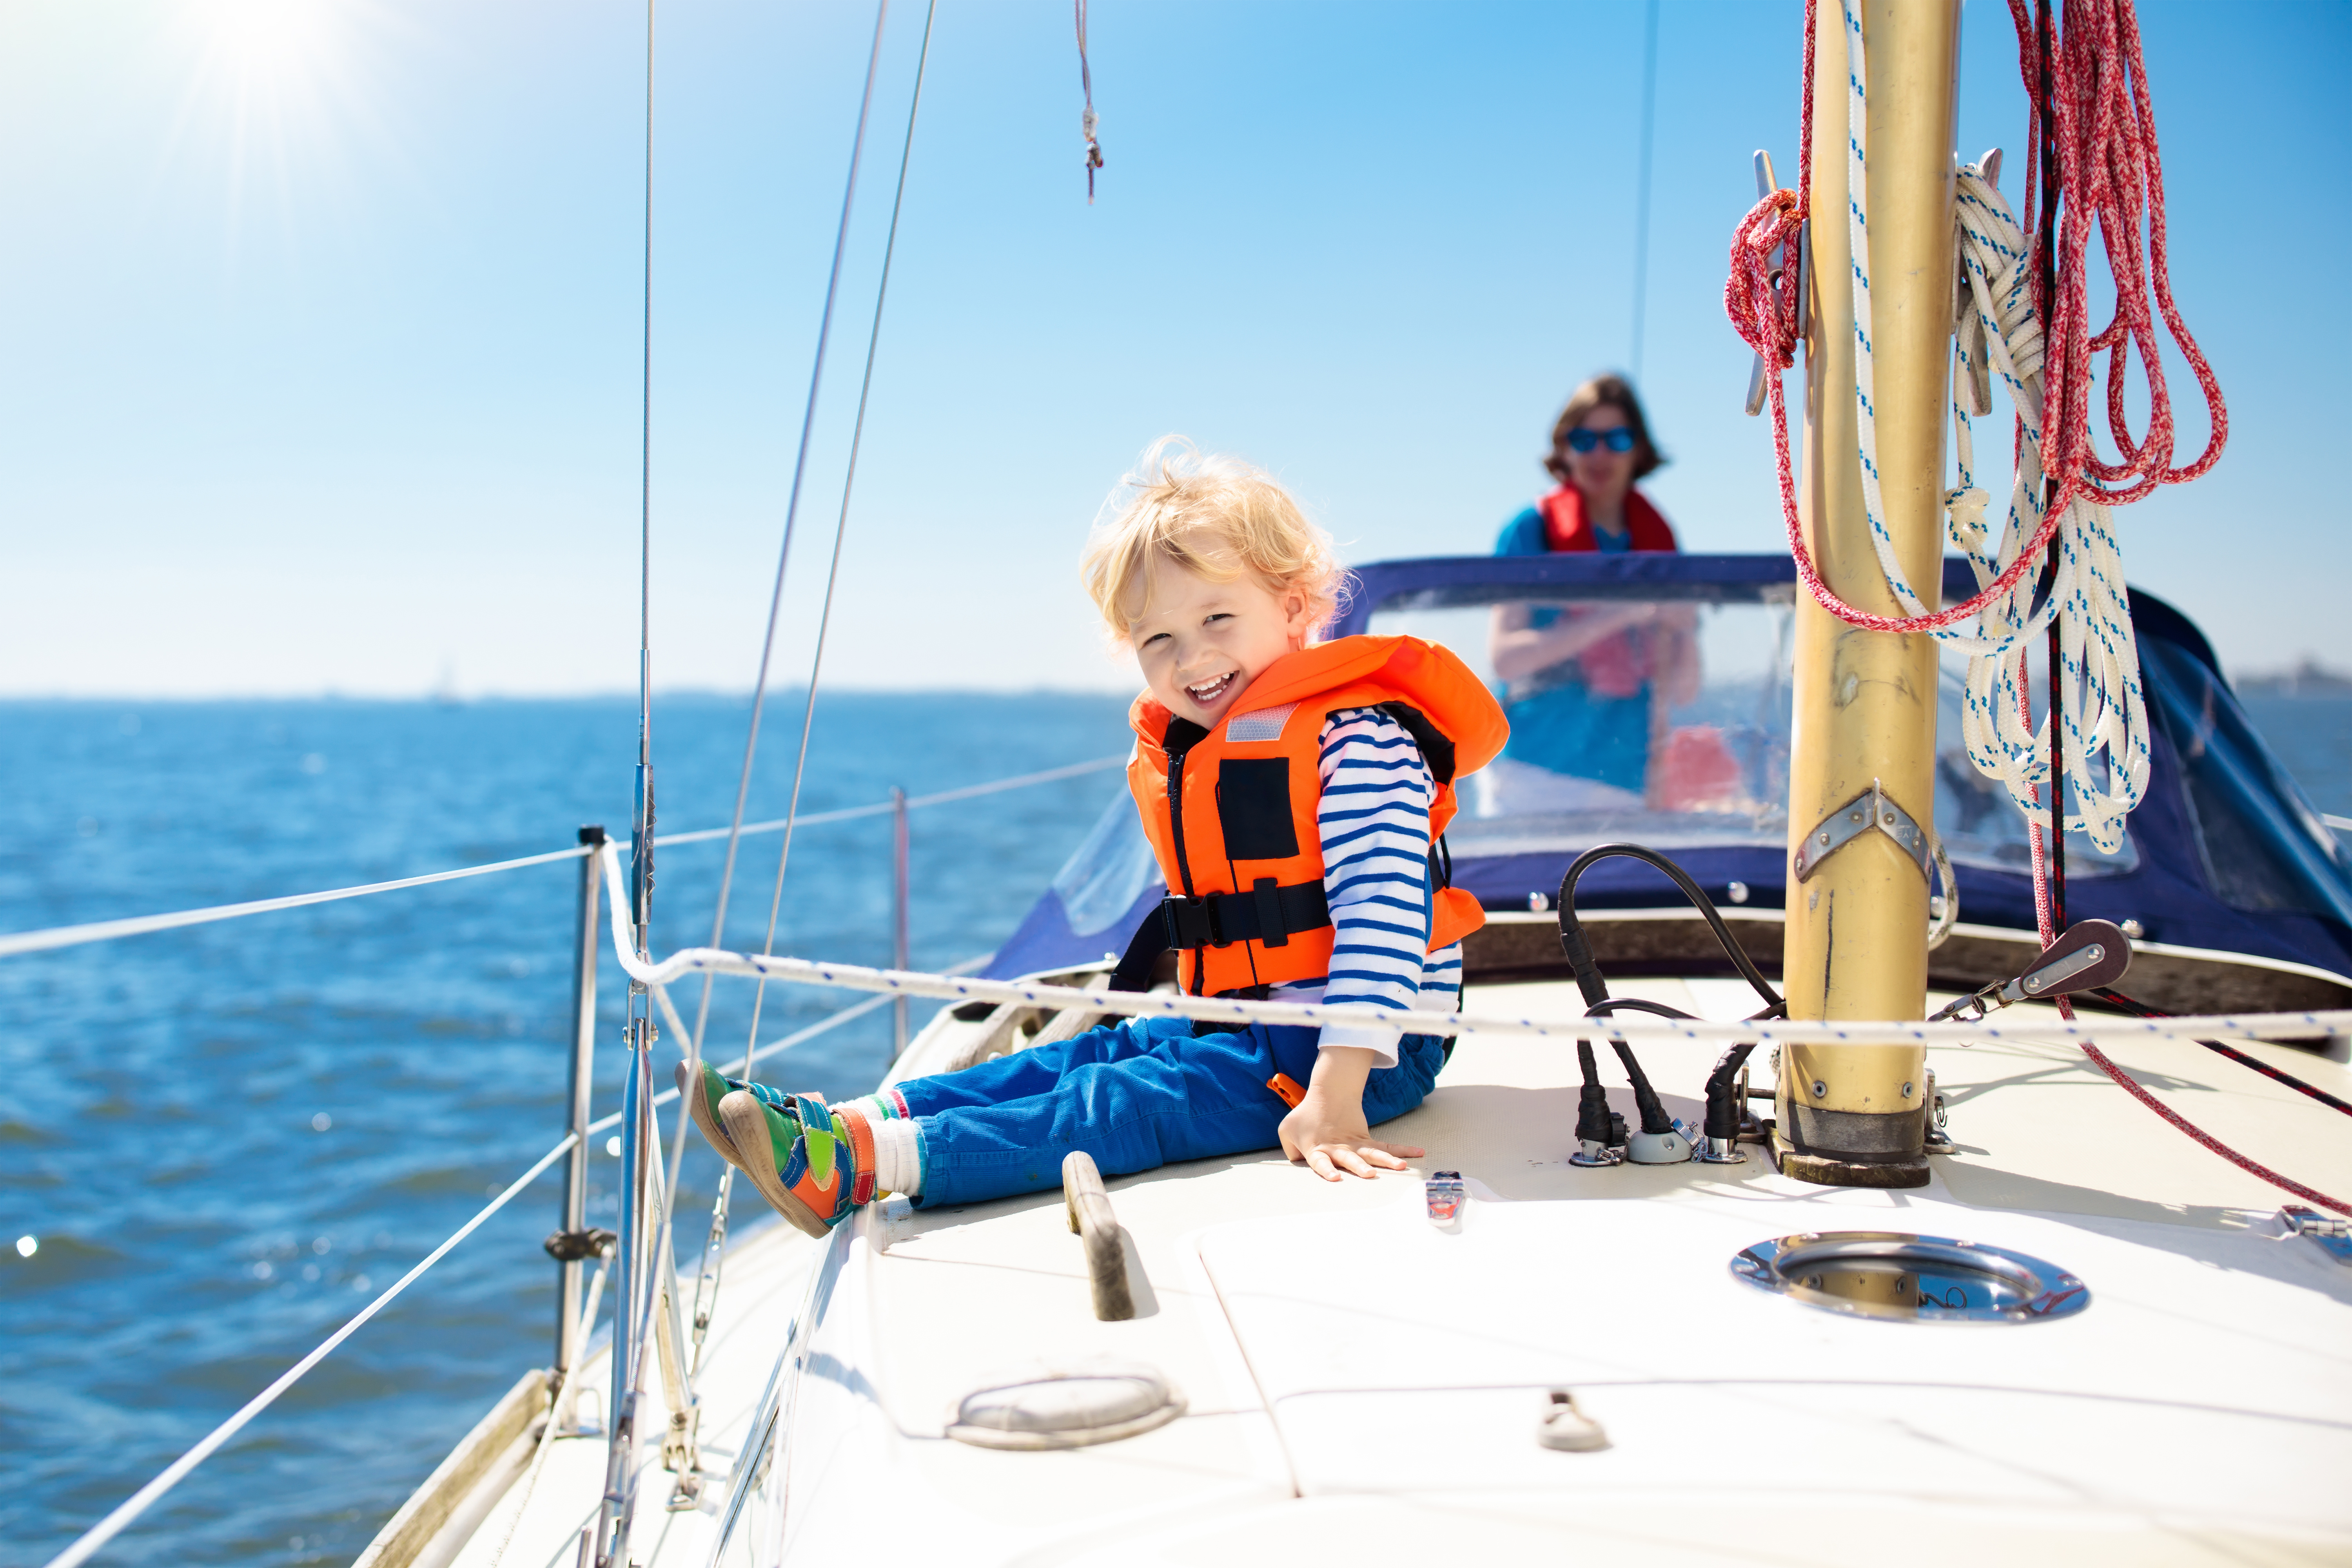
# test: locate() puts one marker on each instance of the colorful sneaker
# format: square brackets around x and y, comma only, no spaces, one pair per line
[714,1087]
[700,1086]
[801,1157]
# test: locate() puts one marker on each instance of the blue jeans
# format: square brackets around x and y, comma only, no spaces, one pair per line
[1134,1095]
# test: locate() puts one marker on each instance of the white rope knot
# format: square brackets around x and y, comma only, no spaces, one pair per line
[1965,509]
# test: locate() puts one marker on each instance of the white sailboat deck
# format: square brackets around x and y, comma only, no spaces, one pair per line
[1358,1381]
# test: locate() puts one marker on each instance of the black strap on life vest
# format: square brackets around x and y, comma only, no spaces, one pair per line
[1436,746]
[1142,955]
[1266,912]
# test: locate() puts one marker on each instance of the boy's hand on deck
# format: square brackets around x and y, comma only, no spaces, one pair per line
[1328,1150]
[1326,1130]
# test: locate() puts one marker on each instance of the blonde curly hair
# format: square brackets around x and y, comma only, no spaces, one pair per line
[1216,517]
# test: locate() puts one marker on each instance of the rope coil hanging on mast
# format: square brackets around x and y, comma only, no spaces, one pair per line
[2100,125]
[2106,139]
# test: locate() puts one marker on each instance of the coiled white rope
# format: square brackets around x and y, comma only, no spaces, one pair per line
[2102,707]
[1628,1026]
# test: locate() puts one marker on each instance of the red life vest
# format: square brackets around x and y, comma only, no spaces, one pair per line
[1568,526]
[1230,811]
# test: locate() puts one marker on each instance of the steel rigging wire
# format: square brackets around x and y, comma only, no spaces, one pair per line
[707,1284]
[792,515]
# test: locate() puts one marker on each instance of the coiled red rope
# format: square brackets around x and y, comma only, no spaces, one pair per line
[2111,172]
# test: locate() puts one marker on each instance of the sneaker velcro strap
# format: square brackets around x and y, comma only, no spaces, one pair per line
[861,1153]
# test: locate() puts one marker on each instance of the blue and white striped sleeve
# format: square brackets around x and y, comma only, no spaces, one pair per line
[1373,821]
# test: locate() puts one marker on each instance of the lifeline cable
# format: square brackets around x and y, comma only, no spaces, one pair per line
[2280,1075]
[49,938]
[1416,1021]
[86,1545]
[1174,1005]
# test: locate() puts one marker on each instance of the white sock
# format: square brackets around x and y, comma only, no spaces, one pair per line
[899,1157]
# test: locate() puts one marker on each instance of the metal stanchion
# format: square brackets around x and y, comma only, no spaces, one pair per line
[575,1216]
[619,1509]
[898,959]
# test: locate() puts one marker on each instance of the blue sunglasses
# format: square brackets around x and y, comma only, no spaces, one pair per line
[1619,439]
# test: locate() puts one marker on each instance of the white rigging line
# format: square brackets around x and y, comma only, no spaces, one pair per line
[141,925]
[841,524]
[1642,189]
[792,513]
[816,663]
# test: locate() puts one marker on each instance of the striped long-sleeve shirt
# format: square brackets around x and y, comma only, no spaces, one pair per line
[1373,822]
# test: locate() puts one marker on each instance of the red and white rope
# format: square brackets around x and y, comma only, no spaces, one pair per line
[2108,160]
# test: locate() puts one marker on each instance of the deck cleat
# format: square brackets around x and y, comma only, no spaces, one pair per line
[1565,1428]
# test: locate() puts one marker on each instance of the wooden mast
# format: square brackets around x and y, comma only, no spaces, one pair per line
[1866,701]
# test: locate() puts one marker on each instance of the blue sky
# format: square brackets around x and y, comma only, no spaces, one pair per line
[319,367]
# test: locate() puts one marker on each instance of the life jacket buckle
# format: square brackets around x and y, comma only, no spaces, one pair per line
[1191,923]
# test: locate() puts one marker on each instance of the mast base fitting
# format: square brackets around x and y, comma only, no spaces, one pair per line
[1824,1171]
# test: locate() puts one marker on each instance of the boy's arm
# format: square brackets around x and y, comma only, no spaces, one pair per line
[1373,820]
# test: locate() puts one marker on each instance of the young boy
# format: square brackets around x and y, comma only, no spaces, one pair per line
[1292,792]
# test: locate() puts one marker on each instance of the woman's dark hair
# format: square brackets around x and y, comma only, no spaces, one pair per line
[1604,392]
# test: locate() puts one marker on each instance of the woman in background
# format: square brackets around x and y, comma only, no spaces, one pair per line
[1586,685]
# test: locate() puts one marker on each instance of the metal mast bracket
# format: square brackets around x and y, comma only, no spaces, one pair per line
[1872,808]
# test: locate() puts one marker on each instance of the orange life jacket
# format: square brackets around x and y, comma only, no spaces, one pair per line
[1230,811]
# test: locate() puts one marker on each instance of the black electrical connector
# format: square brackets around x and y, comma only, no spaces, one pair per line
[1725,1113]
[1654,1118]
[1593,1124]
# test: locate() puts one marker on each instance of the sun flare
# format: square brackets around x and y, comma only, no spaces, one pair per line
[270,43]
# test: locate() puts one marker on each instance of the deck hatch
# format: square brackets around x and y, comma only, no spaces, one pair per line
[1069,1407]
[1911,1278]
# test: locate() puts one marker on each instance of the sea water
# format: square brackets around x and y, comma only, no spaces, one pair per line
[225,1140]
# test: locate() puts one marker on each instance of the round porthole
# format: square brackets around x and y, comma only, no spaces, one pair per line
[1913,1279]
[1065,1406]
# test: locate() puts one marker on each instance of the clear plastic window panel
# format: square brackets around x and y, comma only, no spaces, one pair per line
[1661,720]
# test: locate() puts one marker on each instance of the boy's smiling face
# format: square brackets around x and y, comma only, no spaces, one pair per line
[1202,643]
